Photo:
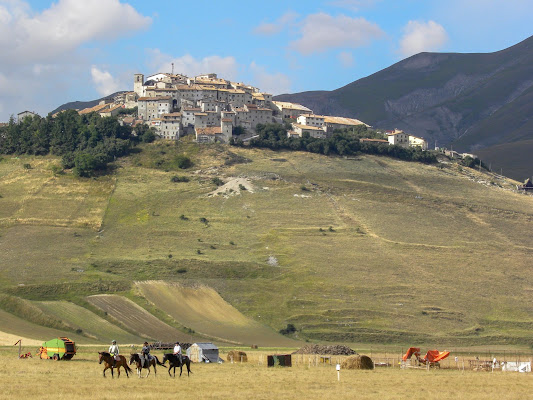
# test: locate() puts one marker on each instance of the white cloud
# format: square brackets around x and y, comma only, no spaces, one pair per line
[30,37]
[276,83]
[40,54]
[104,81]
[422,36]
[346,59]
[272,28]
[321,32]
[191,66]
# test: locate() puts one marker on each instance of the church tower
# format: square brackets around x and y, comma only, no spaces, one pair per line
[138,80]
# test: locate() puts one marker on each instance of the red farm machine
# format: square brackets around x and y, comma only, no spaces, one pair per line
[58,349]
[431,359]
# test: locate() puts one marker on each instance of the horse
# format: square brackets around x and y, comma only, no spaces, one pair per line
[136,358]
[174,362]
[110,363]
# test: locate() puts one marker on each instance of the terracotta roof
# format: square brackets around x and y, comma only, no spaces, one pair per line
[211,130]
[96,108]
[174,114]
[112,108]
[128,120]
[291,106]
[342,121]
[227,120]
[417,137]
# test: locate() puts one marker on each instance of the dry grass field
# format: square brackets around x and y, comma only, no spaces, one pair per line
[370,250]
[82,378]
[203,310]
[136,318]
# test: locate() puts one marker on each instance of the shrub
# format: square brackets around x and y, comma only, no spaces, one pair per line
[56,169]
[288,330]
[304,188]
[183,217]
[27,166]
[182,161]
[181,270]
[242,187]
[204,221]
[217,181]
[177,178]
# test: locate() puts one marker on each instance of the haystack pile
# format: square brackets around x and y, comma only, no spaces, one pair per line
[237,356]
[334,350]
[358,362]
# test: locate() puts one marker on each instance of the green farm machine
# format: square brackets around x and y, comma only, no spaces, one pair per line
[58,349]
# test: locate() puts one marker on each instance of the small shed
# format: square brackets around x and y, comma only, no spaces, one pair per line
[203,352]
[282,360]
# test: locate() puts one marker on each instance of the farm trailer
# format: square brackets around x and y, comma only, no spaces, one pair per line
[58,349]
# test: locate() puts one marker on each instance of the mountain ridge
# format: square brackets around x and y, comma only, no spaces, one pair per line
[471,101]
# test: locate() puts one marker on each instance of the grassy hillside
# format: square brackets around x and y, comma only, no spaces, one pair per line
[203,310]
[357,250]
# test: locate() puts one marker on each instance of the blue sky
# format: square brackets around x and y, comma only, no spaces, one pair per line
[55,52]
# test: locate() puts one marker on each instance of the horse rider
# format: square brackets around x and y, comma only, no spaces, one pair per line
[114,351]
[145,354]
[177,352]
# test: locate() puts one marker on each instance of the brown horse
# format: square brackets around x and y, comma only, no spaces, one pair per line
[136,358]
[110,363]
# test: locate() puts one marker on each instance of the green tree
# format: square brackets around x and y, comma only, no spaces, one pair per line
[84,165]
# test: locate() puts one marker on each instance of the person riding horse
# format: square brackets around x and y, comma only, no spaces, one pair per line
[145,354]
[114,351]
[177,352]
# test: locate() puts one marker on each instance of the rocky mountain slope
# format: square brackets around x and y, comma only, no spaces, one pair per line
[473,102]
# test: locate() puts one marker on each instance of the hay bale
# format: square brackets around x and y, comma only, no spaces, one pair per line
[237,356]
[358,362]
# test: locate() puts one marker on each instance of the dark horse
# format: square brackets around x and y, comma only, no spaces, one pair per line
[110,363]
[174,362]
[136,358]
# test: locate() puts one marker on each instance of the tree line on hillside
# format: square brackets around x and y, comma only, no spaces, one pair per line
[343,142]
[86,143]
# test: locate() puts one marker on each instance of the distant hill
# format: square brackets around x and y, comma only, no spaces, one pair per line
[473,102]
[80,105]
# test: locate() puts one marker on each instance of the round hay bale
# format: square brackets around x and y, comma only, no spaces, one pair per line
[358,362]
[237,356]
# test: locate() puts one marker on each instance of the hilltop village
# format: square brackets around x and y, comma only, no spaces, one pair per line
[213,109]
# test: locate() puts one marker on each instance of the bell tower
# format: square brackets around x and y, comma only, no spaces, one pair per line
[138,80]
